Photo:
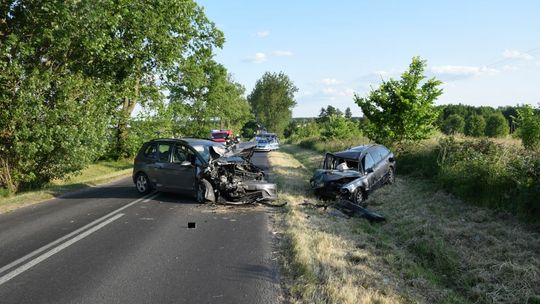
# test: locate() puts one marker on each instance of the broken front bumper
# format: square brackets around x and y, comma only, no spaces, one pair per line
[262,190]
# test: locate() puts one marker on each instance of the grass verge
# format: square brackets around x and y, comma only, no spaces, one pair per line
[98,173]
[432,249]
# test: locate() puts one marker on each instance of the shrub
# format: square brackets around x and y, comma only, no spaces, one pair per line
[529,127]
[338,127]
[496,125]
[475,126]
[454,124]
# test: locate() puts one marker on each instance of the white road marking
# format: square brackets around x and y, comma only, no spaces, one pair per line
[146,198]
[48,254]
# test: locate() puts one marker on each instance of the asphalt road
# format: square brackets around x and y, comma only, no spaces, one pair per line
[109,245]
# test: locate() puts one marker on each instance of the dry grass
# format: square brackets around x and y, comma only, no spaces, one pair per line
[329,261]
[432,249]
[98,173]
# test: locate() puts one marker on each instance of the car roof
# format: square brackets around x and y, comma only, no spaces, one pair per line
[189,140]
[354,152]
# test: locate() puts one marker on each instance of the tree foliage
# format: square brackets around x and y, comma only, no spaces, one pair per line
[72,71]
[272,100]
[475,126]
[401,110]
[529,127]
[339,127]
[496,125]
[454,124]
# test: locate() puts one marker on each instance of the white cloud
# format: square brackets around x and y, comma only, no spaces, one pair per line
[462,70]
[262,34]
[258,58]
[329,81]
[509,68]
[513,54]
[282,53]
[342,92]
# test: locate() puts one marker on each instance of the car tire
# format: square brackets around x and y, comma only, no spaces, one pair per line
[391,176]
[142,184]
[359,197]
[201,190]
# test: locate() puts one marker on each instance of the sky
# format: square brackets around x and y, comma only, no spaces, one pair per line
[485,52]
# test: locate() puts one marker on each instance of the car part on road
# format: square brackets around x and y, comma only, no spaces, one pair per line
[348,208]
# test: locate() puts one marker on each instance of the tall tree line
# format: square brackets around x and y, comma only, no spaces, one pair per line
[73,72]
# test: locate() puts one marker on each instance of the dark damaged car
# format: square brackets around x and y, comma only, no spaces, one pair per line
[355,173]
[202,168]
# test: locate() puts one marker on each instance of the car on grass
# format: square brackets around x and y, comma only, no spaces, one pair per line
[355,173]
[205,169]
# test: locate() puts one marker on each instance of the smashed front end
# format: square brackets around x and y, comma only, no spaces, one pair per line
[327,183]
[235,180]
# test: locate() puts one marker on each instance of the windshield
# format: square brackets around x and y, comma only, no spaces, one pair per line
[204,150]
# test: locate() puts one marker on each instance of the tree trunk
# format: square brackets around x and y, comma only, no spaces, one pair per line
[122,150]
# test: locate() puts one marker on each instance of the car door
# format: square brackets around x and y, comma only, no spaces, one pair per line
[378,167]
[385,167]
[160,167]
[179,172]
[368,163]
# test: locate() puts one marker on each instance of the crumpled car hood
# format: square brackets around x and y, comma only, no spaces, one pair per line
[324,175]
[244,150]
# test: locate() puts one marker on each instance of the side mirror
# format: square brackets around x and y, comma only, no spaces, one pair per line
[369,170]
[185,163]
[391,159]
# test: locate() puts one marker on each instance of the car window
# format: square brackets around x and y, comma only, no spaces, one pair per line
[183,153]
[375,155]
[382,151]
[150,151]
[163,151]
[368,162]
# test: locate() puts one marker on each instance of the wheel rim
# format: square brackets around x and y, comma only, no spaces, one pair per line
[359,197]
[142,183]
[391,178]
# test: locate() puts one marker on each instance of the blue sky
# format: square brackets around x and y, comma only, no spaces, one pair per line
[486,52]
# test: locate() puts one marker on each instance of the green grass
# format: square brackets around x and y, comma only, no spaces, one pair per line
[436,248]
[97,173]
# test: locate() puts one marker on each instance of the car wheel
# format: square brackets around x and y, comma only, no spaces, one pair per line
[391,176]
[142,183]
[359,197]
[201,191]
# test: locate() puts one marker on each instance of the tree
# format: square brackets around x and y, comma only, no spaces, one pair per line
[475,126]
[339,127]
[70,70]
[272,100]
[348,113]
[400,111]
[454,124]
[496,125]
[529,127]
[206,97]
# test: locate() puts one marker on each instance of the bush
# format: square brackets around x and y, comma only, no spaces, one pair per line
[475,126]
[479,171]
[307,130]
[529,128]
[496,125]
[338,127]
[454,124]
